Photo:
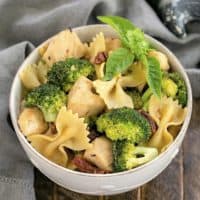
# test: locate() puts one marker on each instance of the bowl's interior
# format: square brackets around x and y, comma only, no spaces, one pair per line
[86,33]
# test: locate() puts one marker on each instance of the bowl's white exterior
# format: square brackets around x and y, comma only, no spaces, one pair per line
[91,183]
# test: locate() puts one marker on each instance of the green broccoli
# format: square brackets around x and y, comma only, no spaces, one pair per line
[91,121]
[181,94]
[127,156]
[124,123]
[65,73]
[136,98]
[173,86]
[48,98]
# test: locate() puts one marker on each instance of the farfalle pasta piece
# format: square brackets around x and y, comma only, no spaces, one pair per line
[99,68]
[96,46]
[65,44]
[166,112]
[112,93]
[135,77]
[71,124]
[42,69]
[34,75]
[83,100]
[43,49]
[29,77]
[71,133]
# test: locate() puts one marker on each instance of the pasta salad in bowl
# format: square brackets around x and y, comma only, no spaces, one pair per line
[106,105]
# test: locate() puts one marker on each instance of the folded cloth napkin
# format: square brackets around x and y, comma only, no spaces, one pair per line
[35,21]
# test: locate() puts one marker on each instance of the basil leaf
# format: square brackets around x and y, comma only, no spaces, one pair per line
[118,61]
[132,37]
[120,24]
[154,75]
[136,48]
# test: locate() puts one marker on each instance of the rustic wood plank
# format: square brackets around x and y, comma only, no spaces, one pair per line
[168,185]
[43,186]
[64,194]
[191,152]
[132,195]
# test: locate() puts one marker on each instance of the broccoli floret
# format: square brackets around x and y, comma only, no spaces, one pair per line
[65,73]
[48,98]
[124,123]
[136,98]
[181,94]
[91,121]
[127,156]
[169,87]
[173,86]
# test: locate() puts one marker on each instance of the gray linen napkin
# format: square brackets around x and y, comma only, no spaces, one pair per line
[35,21]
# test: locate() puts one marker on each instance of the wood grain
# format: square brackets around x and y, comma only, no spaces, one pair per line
[63,194]
[133,195]
[168,185]
[43,187]
[191,151]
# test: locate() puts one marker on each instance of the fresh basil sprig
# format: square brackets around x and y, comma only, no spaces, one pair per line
[118,62]
[154,75]
[135,48]
[121,25]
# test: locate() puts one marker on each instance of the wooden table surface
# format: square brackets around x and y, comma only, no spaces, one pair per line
[180,181]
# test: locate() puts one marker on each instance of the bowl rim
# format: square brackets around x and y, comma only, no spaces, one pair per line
[159,157]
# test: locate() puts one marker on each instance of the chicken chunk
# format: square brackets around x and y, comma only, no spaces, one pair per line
[31,121]
[82,100]
[100,154]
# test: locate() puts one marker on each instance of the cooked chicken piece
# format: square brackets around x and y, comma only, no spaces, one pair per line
[31,121]
[100,154]
[162,59]
[82,100]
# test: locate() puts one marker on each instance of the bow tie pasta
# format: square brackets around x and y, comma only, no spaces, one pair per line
[71,133]
[135,77]
[99,68]
[166,113]
[82,99]
[113,94]
[34,75]
[96,46]
[64,45]
[101,44]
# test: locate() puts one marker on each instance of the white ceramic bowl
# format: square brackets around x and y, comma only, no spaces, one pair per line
[97,184]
